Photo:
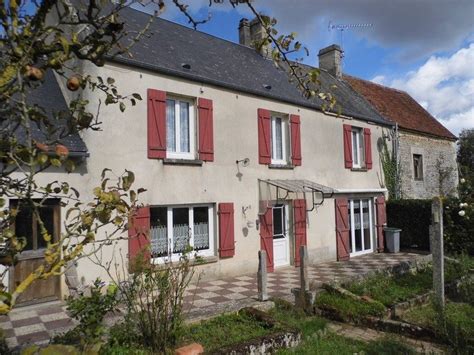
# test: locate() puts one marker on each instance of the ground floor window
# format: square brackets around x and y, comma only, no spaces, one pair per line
[178,229]
[361,221]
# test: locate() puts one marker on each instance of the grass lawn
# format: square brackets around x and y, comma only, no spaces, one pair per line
[331,343]
[227,330]
[317,340]
[459,321]
[394,289]
[348,308]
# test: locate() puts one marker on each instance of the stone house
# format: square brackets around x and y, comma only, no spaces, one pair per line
[426,149]
[233,158]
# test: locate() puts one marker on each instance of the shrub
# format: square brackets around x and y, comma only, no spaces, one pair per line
[458,230]
[153,296]
[90,311]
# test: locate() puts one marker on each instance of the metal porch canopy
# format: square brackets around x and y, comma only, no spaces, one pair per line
[291,189]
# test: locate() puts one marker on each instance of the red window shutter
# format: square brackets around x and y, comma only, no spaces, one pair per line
[226,230]
[368,148]
[295,139]
[342,229]
[348,146]
[156,124]
[264,133]
[139,235]
[299,210]
[381,221]
[266,237]
[206,130]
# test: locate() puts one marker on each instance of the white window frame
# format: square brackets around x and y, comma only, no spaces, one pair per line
[370,201]
[284,139]
[202,253]
[192,129]
[358,153]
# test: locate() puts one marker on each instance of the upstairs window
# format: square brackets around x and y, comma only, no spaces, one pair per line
[180,127]
[358,158]
[280,140]
[418,166]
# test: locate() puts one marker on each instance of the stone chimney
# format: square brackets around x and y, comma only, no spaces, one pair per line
[252,33]
[330,60]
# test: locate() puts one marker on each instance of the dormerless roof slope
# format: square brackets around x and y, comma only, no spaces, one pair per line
[226,64]
[397,106]
[49,98]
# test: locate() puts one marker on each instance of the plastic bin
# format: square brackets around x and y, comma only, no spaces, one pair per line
[392,239]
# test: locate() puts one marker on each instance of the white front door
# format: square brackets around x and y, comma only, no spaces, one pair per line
[361,226]
[281,243]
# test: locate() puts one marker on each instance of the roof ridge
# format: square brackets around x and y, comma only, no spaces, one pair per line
[377,84]
[194,30]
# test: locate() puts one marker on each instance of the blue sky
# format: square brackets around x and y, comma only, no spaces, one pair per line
[425,47]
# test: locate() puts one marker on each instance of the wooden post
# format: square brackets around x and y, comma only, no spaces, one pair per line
[262,276]
[437,251]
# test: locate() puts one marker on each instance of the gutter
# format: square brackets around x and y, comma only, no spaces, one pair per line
[359,191]
[194,77]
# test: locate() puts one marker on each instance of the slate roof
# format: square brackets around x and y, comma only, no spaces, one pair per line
[49,98]
[226,64]
[397,106]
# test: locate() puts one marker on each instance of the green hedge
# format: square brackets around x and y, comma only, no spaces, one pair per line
[458,230]
[414,218]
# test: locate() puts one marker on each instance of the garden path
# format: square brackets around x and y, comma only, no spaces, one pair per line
[38,323]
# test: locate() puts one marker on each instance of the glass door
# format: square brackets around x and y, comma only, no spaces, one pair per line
[361,226]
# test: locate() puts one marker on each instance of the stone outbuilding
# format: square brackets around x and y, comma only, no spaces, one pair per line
[426,149]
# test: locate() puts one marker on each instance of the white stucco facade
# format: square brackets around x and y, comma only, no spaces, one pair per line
[122,144]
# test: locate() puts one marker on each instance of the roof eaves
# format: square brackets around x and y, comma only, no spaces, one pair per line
[206,80]
[423,133]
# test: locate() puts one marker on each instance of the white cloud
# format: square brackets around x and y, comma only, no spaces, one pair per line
[418,28]
[379,79]
[444,85]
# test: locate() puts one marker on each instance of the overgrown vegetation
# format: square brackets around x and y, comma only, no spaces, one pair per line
[391,168]
[350,310]
[227,330]
[457,328]
[90,310]
[391,289]
[316,339]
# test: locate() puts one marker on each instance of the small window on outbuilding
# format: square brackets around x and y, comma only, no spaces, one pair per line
[418,166]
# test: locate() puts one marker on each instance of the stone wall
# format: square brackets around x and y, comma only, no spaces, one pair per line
[440,171]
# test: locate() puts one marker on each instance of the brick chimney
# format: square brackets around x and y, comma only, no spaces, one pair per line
[330,60]
[252,33]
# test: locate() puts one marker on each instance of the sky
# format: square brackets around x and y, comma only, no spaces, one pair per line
[424,47]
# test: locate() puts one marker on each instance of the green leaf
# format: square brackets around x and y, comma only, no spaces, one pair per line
[122,107]
[55,162]
[110,81]
[137,96]
[70,166]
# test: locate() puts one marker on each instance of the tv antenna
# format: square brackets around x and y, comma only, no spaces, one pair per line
[344,27]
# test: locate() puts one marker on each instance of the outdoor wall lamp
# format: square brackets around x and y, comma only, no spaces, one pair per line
[245,162]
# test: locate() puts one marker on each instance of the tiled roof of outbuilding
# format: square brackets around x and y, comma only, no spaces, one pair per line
[226,64]
[397,106]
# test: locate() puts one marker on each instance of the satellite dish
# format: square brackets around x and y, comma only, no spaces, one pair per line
[246,162]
